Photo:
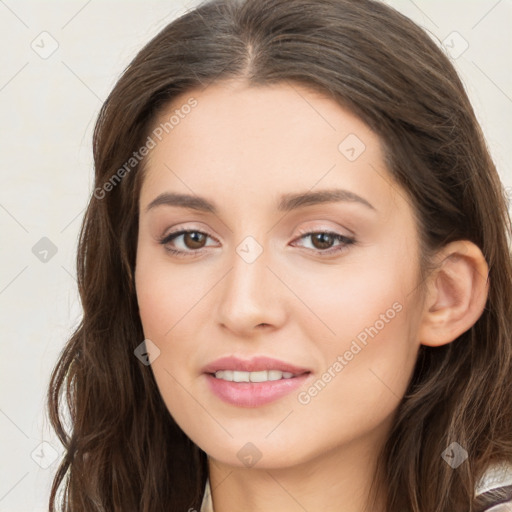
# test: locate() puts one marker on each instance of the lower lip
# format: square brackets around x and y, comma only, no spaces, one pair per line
[253,394]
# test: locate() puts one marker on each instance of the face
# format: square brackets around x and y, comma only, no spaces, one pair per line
[301,266]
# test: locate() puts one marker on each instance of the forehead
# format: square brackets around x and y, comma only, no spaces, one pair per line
[283,137]
[234,112]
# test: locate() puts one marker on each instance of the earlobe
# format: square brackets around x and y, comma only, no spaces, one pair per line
[457,293]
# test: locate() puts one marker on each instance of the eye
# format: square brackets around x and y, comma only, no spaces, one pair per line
[322,241]
[193,240]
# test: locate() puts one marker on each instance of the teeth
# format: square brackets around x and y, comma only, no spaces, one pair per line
[262,376]
[241,376]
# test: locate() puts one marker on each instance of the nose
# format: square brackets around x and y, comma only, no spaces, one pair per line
[251,296]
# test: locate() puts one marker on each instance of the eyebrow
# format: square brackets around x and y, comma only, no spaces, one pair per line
[287,202]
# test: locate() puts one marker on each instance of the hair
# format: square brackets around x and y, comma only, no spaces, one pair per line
[124,452]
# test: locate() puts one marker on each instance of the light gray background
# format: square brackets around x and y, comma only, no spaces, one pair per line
[48,106]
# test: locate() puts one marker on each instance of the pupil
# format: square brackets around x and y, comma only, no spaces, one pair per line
[194,236]
[324,239]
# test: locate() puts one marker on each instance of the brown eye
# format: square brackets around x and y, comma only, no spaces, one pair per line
[185,242]
[322,240]
[194,239]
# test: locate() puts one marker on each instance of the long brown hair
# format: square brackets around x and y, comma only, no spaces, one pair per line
[123,450]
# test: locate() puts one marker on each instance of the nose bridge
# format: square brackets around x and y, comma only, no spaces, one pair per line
[248,290]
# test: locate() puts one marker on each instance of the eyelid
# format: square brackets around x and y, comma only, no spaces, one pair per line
[324,229]
[186,227]
[334,251]
[182,231]
[302,231]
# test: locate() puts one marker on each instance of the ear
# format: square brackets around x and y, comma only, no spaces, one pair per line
[456,293]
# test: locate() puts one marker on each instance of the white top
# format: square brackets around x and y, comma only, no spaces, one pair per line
[498,475]
[207,505]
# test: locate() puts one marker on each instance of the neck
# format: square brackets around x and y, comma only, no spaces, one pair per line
[337,481]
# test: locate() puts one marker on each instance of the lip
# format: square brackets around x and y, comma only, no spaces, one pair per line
[255,364]
[253,394]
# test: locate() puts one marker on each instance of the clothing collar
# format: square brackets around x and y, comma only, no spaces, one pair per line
[497,475]
[207,505]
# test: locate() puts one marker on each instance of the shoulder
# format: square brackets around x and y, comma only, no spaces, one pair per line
[493,492]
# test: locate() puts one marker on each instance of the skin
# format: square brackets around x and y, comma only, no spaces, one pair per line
[242,147]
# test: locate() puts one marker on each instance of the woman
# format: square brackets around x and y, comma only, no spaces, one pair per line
[295,275]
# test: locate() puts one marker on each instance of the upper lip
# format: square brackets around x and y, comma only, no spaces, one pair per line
[254,364]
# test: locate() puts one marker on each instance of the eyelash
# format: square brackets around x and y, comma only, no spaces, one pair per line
[184,254]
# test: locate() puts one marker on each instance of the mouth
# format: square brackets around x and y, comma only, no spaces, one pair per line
[255,382]
[259,376]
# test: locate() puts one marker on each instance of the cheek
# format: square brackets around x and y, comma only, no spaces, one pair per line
[365,375]
[168,295]
[362,299]
[369,366]
[369,353]
[164,301]
[173,305]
